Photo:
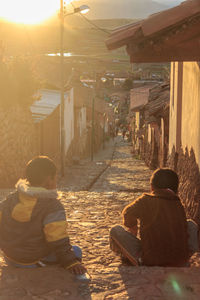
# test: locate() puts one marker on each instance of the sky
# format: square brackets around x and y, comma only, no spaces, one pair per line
[36,11]
[169,2]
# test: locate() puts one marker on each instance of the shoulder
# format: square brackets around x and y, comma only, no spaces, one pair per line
[10,198]
[144,197]
[137,202]
[52,203]
[142,200]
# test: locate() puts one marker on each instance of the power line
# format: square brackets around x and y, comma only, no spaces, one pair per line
[96,26]
[92,23]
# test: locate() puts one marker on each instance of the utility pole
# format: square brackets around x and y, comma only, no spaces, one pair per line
[82,9]
[62,99]
[92,139]
[93,112]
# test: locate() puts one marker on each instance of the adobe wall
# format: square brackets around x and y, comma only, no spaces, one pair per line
[50,136]
[190,125]
[184,146]
[17,144]
[184,163]
[151,153]
[80,147]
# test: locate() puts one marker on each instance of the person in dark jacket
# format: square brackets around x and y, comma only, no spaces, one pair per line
[162,239]
[33,226]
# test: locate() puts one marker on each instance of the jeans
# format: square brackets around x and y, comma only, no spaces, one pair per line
[129,246]
[125,244]
[50,259]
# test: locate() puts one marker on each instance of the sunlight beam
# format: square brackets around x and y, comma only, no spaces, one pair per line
[28,12]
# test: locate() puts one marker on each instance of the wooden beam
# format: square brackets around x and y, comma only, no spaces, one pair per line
[182,45]
[178,54]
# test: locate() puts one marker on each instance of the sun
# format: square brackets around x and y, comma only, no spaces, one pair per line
[28,11]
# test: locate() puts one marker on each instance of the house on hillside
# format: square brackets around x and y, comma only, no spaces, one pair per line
[119,78]
[173,36]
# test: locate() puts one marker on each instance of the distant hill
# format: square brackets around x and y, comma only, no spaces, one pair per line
[129,9]
[170,3]
[41,38]
[77,21]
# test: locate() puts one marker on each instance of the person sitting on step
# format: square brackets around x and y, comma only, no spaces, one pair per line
[33,227]
[156,231]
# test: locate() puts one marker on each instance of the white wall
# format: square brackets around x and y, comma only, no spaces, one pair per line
[191,108]
[137,120]
[173,106]
[185,107]
[149,133]
[82,120]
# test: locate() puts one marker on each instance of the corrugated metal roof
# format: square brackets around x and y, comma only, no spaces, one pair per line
[49,101]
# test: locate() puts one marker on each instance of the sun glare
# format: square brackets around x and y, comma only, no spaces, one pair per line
[28,11]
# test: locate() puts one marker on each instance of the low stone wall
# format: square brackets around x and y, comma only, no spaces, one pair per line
[81,145]
[78,149]
[184,163]
[151,156]
[17,143]
[148,155]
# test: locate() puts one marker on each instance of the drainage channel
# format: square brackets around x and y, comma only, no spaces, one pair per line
[88,188]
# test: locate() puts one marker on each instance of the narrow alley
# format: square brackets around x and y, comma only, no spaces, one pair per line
[107,184]
[97,211]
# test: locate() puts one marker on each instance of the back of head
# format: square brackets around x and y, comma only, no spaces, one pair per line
[39,169]
[165,179]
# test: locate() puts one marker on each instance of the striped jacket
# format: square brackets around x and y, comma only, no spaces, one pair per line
[33,225]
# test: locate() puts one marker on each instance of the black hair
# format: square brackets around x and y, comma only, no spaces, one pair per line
[38,169]
[165,178]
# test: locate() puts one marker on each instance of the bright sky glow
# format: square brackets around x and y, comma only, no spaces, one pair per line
[28,11]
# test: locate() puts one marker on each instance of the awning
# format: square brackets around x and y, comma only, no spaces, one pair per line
[49,101]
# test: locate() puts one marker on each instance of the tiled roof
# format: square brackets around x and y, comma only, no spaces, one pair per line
[159,97]
[171,35]
[139,97]
[153,24]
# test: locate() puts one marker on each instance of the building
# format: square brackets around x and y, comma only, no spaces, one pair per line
[173,36]
[46,115]
[156,115]
[149,121]
[138,98]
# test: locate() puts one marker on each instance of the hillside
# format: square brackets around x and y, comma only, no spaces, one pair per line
[134,9]
[43,38]
[86,44]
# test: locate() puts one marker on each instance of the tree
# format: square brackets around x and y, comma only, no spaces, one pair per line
[128,84]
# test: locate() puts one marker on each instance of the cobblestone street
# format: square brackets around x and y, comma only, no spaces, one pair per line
[94,194]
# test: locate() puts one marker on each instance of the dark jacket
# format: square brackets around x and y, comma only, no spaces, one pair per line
[33,225]
[163,228]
